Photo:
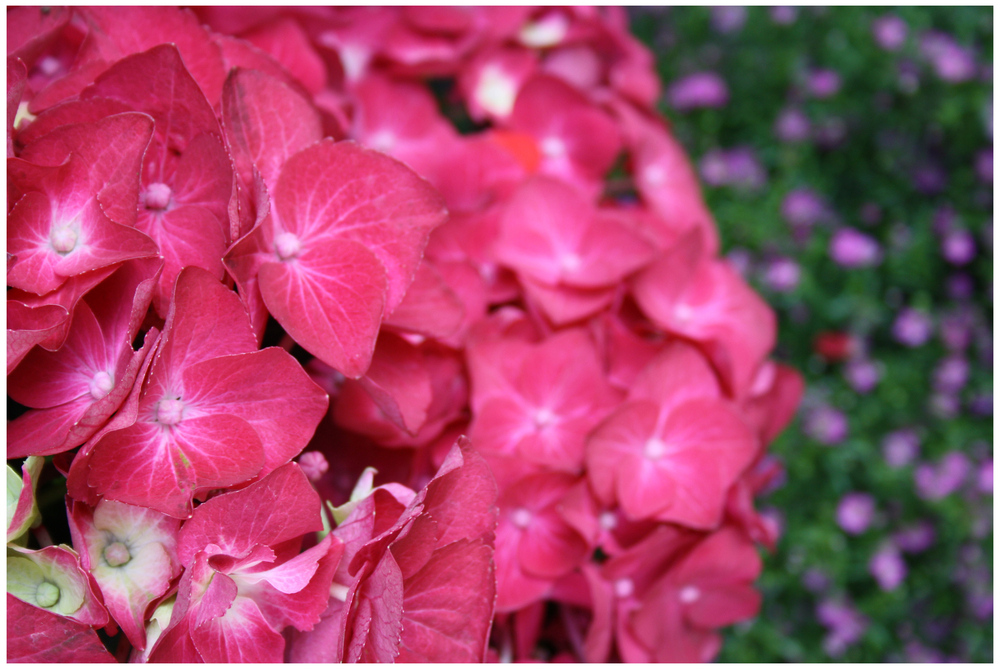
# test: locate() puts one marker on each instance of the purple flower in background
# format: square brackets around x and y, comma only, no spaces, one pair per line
[915,538]
[728,19]
[921,654]
[960,287]
[981,604]
[944,405]
[823,83]
[803,207]
[909,76]
[815,580]
[826,425]
[852,249]
[951,374]
[887,567]
[846,625]
[792,125]
[930,179]
[958,247]
[956,329]
[900,448]
[951,62]
[890,32]
[741,260]
[698,90]
[855,512]
[944,220]
[984,165]
[734,167]
[782,274]
[982,405]
[912,328]
[784,15]
[862,375]
[937,482]
[984,477]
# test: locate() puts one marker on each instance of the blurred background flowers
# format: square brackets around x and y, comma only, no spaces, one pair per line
[847,154]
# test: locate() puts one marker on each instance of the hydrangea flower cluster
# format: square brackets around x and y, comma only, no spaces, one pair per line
[258,257]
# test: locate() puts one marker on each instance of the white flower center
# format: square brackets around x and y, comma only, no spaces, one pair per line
[543,418]
[287,246]
[654,175]
[553,147]
[683,312]
[608,520]
[545,32]
[102,384]
[63,239]
[654,449]
[169,412]
[521,517]
[157,196]
[689,594]
[496,91]
[624,588]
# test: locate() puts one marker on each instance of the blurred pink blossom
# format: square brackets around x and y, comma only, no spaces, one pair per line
[782,274]
[912,328]
[729,19]
[826,425]
[803,207]
[890,32]
[862,375]
[937,482]
[823,83]
[958,247]
[853,249]
[900,448]
[698,90]
[792,125]
[887,567]
[855,512]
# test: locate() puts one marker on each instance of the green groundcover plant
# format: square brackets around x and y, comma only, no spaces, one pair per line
[847,155]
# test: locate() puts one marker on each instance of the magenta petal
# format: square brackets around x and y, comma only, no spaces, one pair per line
[36,635]
[379,610]
[448,606]
[399,383]
[45,379]
[206,321]
[266,122]
[27,326]
[330,300]
[167,466]
[240,635]
[348,192]
[187,236]
[269,390]
[301,609]
[279,507]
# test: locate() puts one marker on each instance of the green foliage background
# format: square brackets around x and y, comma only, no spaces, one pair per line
[890,131]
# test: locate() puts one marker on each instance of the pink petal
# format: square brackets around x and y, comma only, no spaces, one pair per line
[167,469]
[239,635]
[269,390]
[330,300]
[348,192]
[280,507]
[266,123]
[288,44]
[36,635]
